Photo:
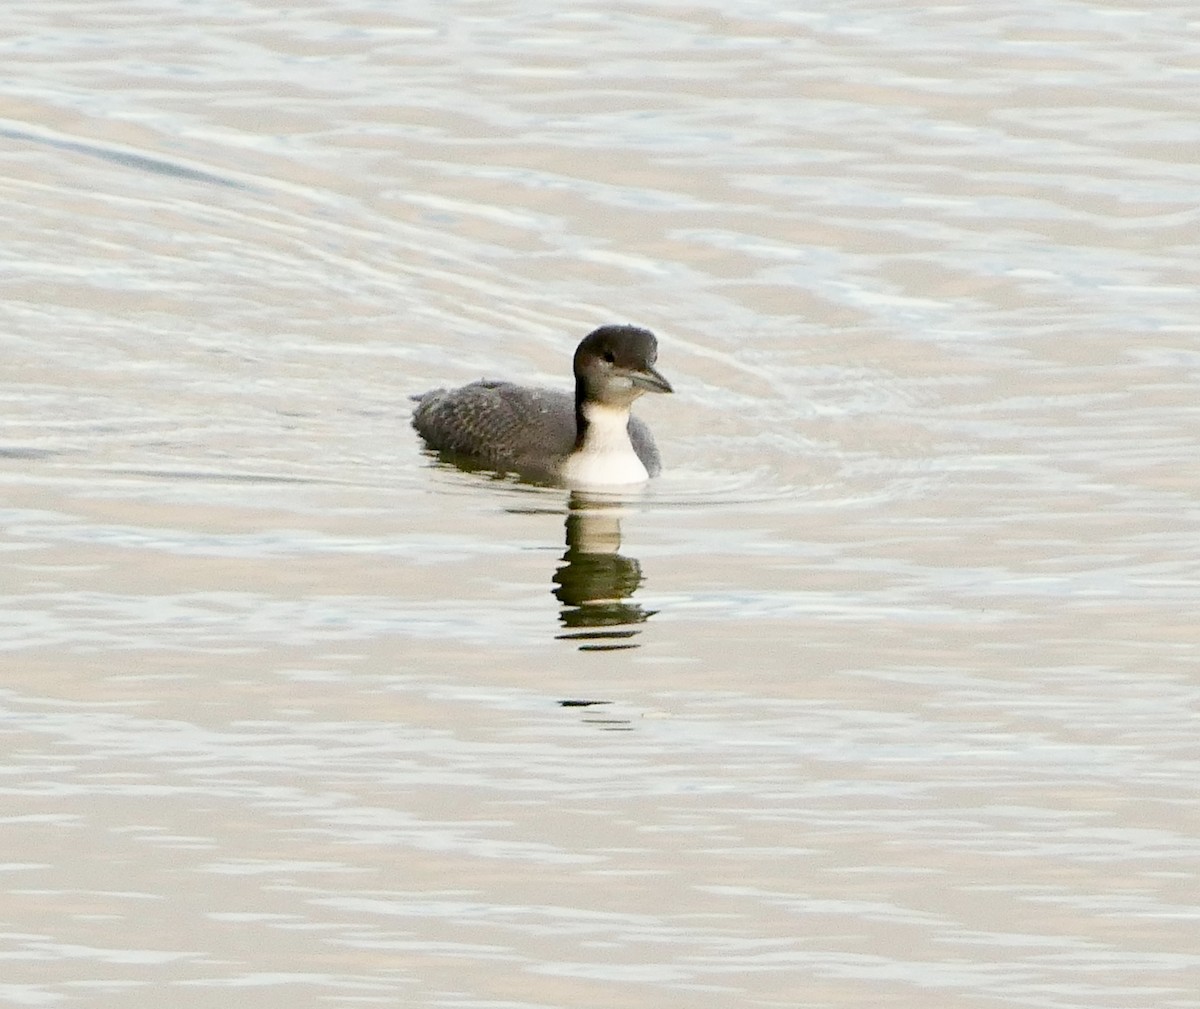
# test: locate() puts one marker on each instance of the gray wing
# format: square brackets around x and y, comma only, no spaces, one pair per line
[643,445]
[500,425]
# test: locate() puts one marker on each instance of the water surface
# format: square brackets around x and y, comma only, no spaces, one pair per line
[884,694]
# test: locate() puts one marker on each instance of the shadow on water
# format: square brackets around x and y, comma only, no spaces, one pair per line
[595,585]
[604,724]
[595,582]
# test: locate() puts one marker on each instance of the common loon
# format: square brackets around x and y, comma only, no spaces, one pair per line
[589,439]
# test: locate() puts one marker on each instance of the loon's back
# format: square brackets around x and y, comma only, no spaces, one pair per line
[512,428]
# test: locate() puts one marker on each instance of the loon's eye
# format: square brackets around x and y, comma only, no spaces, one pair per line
[609,356]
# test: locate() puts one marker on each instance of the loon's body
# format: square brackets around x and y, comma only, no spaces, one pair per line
[589,439]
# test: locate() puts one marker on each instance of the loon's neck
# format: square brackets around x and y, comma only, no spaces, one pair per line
[603,453]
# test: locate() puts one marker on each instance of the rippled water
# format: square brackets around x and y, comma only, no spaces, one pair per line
[885,694]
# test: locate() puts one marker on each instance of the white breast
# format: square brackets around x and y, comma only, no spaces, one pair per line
[607,455]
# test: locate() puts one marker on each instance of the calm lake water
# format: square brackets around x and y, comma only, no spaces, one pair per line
[887,693]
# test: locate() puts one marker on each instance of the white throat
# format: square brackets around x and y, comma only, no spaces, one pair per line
[606,455]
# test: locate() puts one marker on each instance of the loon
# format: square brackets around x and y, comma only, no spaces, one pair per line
[588,439]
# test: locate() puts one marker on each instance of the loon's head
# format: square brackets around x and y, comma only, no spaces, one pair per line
[614,365]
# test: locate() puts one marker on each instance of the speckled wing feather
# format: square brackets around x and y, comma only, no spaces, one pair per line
[500,425]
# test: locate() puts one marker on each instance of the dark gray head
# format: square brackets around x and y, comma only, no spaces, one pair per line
[614,365]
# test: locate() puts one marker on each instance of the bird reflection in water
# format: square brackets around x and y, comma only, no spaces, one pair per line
[595,583]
